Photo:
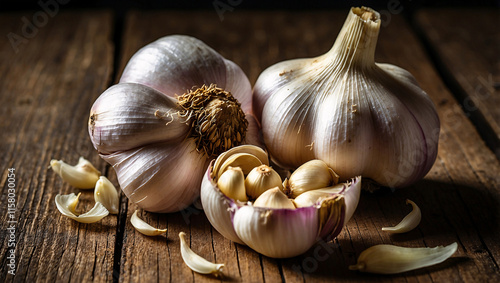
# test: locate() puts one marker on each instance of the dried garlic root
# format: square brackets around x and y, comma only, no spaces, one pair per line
[408,223]
[196,262]
[143,227]
[67,206]
[389,259]
[83,175]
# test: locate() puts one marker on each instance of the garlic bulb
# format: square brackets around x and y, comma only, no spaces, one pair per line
[272,225]
[360,117]
[178,104]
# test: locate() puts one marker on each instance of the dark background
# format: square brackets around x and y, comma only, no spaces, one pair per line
[123,5]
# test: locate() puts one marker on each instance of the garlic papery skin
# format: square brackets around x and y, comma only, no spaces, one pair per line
[274,198]
[260,179]
[389,259]
[105,193]
[409,222]
[273,228]
[232,184]
[82,176]
[314,174]
[178,105]
[360,117]
[66,204]
[196,262]
[143,227]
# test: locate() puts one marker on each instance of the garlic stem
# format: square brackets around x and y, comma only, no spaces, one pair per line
[408,223]
[143,227]
[389,259]
[196,262]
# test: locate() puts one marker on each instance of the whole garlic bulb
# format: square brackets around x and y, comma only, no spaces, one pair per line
[178,104]
[360,117]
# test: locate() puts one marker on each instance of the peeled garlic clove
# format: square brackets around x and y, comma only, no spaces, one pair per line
[196,262]
[312,175]
[66,205]
[408,223]
[143,227]
[260,179]
[250,149]
[83,175]
[274,198]
[105,193]
[314,196]
[232,184]
[389,259]
[245,161]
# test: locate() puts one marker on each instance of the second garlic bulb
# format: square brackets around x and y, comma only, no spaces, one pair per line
[360,117]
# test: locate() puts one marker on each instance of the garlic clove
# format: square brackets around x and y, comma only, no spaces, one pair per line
[218,207]
[277,233]
[408,223]
[312,175]
[250,149]
[196,262]
[83,175]
[314,196]
[260,179]
[143,227]
[105,193]
[232,184]
[66,204]
[245,161]
[389,259]
[274,198]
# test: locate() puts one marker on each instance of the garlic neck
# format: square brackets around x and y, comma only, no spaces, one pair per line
[356,42]
[216,118]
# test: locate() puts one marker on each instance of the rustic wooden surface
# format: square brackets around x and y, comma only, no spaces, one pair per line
[468,51]
[48,86]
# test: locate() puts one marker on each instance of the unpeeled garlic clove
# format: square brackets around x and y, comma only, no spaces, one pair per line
[232,183]
[408,223]
[260,179]
[245,161]
[314,196]
[82,175]
[196,262]
[274,198]
[143,227]
[250,149]
[312,175]
[389,259]
[66,204]
[105,193]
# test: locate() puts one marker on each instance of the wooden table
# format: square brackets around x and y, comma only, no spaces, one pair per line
[51,75]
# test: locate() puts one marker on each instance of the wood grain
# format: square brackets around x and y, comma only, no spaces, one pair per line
[47,89]
[466,44]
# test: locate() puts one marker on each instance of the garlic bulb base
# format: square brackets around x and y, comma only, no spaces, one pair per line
[218,122]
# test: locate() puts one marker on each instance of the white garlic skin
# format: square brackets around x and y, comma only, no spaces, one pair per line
[360,117]
[135,127]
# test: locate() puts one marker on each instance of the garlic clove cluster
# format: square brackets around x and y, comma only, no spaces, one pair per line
[358,116]
[178,104]
[262,221]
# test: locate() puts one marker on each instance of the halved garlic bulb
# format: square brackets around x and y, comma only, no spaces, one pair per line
[272,225]
[260,179]
[360,117]
[82,176]
[178,104]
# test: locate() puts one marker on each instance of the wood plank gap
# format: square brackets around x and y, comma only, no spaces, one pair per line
[484,129]
[120,232]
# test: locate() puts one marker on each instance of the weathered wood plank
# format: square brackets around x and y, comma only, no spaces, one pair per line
[46,91]
[466,43]
[458,198]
